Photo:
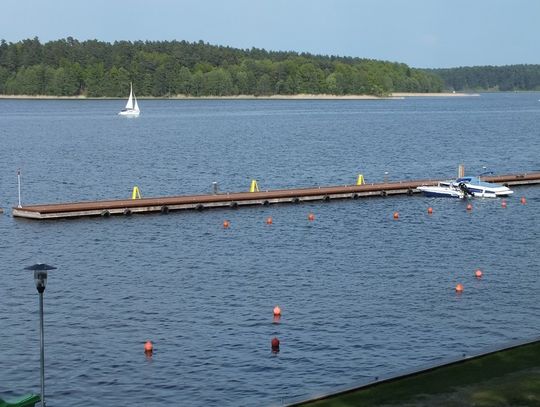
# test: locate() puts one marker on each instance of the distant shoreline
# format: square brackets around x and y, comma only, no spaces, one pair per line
[397,95]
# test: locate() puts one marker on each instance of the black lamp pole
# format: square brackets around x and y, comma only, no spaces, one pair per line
[40,278]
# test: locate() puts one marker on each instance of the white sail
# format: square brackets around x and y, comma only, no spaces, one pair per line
[136,107]
[129,104]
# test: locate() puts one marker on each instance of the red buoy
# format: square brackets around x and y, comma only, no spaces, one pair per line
[275,344]
[148,347]
[469,207]
[396,215]
[269,220]
[277,310]
[311,217]
[523,200]
[430,210]
[478,273]
[226,224]
[503,203]
[459,288]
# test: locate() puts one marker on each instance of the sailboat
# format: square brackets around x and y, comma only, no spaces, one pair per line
[132,107]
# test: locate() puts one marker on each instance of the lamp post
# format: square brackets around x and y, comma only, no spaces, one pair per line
[40,278]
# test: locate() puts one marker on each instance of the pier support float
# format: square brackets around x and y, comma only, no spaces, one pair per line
[237,199]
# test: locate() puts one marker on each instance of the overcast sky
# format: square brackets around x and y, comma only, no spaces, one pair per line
[420,33]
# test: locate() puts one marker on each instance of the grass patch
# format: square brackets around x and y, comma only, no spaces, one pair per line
[505,378]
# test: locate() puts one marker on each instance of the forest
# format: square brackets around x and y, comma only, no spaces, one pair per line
[491,78]
[68,67]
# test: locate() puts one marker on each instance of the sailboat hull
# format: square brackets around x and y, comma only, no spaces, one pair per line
[132,113]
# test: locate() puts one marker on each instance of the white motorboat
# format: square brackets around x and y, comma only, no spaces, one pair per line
[481,189]
[132,107]
[442,190]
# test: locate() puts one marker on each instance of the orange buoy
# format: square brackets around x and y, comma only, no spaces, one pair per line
[478,273]
[523,200]
[277,310]
[430,210]
[269,220]
[311,217]
[503,203]
[459,288]
[275,344]
[226,224]
[469,207]
[396,215]
[148,347]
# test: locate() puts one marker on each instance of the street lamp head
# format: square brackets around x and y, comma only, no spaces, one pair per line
[40,275]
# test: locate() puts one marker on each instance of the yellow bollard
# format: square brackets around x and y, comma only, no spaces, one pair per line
[254,186]
[360,180]
[136,194]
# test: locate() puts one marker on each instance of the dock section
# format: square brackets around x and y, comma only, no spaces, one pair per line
[128,207]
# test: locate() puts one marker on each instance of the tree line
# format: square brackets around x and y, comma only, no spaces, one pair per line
[68,67]
[491,78]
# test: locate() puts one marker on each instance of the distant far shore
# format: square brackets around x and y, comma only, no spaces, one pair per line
[398,95]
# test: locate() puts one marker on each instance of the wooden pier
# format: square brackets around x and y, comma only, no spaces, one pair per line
[128,207]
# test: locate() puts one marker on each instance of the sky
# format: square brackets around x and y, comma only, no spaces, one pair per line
[420,33]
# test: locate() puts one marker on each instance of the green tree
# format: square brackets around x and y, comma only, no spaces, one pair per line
[117,82]
[310,78]
[94,77]
[217,82]
[28,81]
[182,81]
[264,85]
[197,84]
[4,75]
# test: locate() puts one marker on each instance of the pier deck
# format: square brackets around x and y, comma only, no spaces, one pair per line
[236,199]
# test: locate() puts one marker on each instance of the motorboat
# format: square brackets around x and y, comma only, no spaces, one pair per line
[442,190]
[132,107]
[474,186]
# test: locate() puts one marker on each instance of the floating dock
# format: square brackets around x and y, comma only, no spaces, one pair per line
[128,207]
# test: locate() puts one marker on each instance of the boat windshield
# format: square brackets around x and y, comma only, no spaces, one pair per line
[474,181]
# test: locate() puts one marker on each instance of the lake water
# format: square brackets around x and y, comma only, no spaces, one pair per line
[362,295]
